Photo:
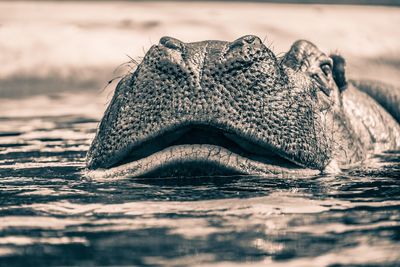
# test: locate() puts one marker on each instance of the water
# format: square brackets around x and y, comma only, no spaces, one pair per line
[50,214]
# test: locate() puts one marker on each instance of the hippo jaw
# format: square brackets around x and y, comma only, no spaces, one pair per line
[214,108]
[201,150]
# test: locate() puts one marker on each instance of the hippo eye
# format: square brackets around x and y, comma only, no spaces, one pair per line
[326,69]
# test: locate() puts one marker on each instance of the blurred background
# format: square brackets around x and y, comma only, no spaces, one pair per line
[49,47]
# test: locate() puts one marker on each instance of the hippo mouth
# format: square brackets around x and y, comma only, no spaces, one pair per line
[200,150]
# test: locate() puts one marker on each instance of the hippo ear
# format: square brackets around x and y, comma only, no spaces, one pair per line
[338,71]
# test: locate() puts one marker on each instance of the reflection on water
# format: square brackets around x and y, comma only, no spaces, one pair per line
[51,215]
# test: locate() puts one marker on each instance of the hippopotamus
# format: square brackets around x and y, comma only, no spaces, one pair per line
[216,108]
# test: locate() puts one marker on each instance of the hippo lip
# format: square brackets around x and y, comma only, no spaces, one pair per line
[196,150]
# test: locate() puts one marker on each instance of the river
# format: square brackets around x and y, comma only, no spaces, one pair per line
[52,215]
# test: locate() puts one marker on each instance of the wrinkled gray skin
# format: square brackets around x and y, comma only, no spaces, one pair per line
[219,108]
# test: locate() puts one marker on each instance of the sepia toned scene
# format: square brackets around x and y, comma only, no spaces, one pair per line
[199,133]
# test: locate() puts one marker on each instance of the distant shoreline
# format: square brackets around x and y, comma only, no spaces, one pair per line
[327,2]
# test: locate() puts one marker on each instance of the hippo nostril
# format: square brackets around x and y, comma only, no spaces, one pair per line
[171,43]
[247,40]
[250,38]
[246,49]
[245,43]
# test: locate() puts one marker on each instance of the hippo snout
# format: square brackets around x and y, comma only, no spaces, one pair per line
[225,106]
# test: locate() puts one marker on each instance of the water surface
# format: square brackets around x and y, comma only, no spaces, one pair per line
[50,214]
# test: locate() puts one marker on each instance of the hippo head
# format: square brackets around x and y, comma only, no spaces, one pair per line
[215,108]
